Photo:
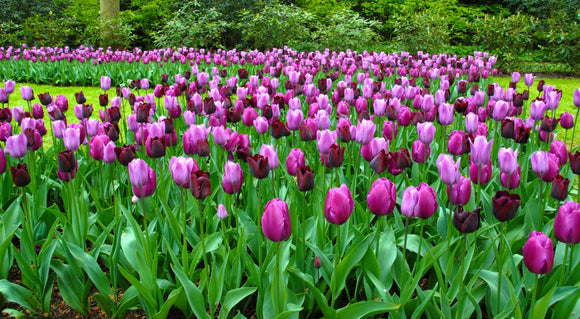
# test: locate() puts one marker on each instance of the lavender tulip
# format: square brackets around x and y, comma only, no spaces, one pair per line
[507,160]
[448,169]
[419,202]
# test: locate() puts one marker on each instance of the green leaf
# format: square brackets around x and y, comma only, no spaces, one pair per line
[353,256]
[194,296]
[540,309]
[366,308]
[18,294]
[318,296]
[72,288]
[232,298]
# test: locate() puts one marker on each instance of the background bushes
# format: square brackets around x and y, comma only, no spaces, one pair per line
[522,33]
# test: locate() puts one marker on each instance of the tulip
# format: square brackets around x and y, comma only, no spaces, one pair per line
[148,188]
[460,193]
[466,222]
[233,178]
[485,173]
[3,163]
[390,130]
[553,168]
[426,132]
[276,223]
[268,152]
[567,223]
[294,161]
[558,148]
[420,152]
[16,146]
[448,169]
[181,168]
[529,79]
[20,175]
[138,172]
[567,120]
[505,205]
[317,262]
[538,253]
[364,132]
[279,129]
[577,98]
[105,83]
[222,213]
[382,197]
[305,178]
[539,161]
[325,139]
[471,123]
[339,205]
[9,86]
[27,94]
[458,143]
[294,119]
[560,188]
[514,179]
[261,125]
[259,167]
[445,114]
[419,202]
[66,162]
[575,162]
[199,184]
[335,156]
[481,150]
[507,160]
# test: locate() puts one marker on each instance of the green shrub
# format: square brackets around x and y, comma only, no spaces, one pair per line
[10,34]
[343,30]
[276,25]
[194,26]
[49,30]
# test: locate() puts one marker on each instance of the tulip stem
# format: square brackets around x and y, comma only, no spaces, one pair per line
[534,294]
[542,208]
[420,244]
[202,239]
[337,247]
[462,286]
[499,267]
[479,183]
[563,271]
[449,224]
[578,190]
[574,130]
[378,228]
[184,225]
[405,243]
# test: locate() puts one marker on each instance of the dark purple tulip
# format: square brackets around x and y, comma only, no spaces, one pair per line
[567,223]
[466,222]
[5,115]
[259,167]
[80,97]
[401,158]
[538,253]
[20,175]
[335,156]
[560,188]
[338,205]
[317,262]
[276,223]
[575,162]
[382,197]
[505,205]
[45,98]
[66,162]
[199,184]
[306,133]
[381,161]
[279,129]
[419,202]
[155,147]
[125,154]
[305,178]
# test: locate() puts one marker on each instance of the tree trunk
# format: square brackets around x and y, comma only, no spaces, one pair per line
[110,9]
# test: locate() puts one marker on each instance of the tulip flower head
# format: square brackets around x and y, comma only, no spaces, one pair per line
[276,223]
[505,205]
[339,205]
[382,197]
[419,202]
[507,160]
[448,169]
[538,253]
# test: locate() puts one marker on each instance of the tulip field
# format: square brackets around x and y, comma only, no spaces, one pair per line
[284,184]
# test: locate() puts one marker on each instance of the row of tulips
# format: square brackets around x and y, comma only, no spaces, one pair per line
[123,199]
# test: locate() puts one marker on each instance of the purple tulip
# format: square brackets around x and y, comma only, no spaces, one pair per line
[192,137]
[294,119]
[365,131]
[567,120]
[339,205]
[466,222]
[72,138]
[222,213]
[553,168]
[97,146]
[538,253]
[294,161]
[500,110]
[181,168]
[20,175]
[419,202]
[537,110]
[418,152]
[471,123]
[445,114]
[507,160]
[16,145]
[109,155]
[382,197]
[460,193]
[26,92]
[529,79]
[448,169]
[324,139]
[249,115]
[567,223]
[558,148]
[138,172]
[105,83]
[261,125]
[577,97]
[233,178]
[513,178]
[3,163]
[481,150]
[270,153]
[276,223]
[560,187]
[390,130]
[148,188]
[379,107]
[426,132]
[370,150]
[9,86]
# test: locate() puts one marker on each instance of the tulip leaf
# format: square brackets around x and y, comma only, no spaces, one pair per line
[194,296]
[353,256]
[366,309]
[232,298]
[318,296]
[540,309]
[18,294]
[168,304]
[74,290]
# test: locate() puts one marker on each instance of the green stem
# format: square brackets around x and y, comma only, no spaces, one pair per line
[499,271]
[563,271]
[378,234]
[479,183]
[449,224]
[184,240]
[534,294]
[405,244]
[420,244]
[574,130]
[337,247]
[462,286]
[542,208]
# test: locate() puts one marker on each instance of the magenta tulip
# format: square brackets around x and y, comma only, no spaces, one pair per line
[538,253]
[382,197]
[419,202]
[276,223]
[567,223]
[339,205]
[294,161]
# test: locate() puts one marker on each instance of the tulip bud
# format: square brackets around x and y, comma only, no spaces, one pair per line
[505,205]
[538,253]
[339,205]
[466,222]
[382,197]
[276,223]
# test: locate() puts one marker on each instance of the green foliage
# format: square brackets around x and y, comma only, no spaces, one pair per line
[194,26]
[507,38]
[276,25]
[49,30]
[345,29]
[147,17]
[114,33]
[9,33]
